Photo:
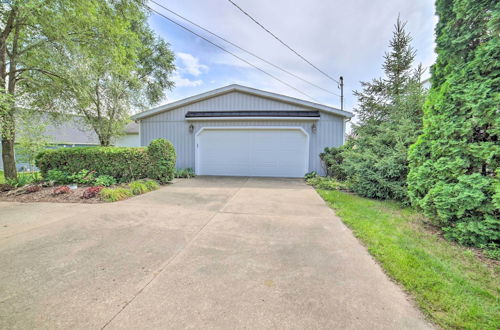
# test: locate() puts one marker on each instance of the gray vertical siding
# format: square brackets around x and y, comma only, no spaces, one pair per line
[172,125]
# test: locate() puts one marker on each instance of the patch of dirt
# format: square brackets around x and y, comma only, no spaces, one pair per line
[46,195]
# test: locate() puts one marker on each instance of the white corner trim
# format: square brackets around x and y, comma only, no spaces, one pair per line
[252,118]
[198,133]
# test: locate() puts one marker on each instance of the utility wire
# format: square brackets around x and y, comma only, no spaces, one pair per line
[227,51]
[241,48]
[283,43]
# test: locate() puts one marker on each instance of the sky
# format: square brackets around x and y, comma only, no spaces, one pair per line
[342,38]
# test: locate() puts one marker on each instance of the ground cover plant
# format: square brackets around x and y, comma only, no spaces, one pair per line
[184,173]
[92,192]
[325,183]
[449,283]
[115,194]
[142,186]
[61,190]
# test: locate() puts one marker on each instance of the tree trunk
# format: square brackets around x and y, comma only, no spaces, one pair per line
[9,161]
[105,141]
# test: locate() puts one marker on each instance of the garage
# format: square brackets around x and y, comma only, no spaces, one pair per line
[252,151]
[242,131]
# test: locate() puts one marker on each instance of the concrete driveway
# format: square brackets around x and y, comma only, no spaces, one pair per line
[208,252]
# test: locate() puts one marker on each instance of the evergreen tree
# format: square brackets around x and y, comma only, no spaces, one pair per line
[454,176]
[390,110]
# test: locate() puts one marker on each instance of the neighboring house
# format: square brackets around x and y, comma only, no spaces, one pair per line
[426,83]
[130,137]
[73,133]
[241,131]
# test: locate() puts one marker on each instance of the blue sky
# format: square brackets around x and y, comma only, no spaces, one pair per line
[345,38]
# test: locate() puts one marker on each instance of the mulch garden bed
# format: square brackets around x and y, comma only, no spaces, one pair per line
[46,194]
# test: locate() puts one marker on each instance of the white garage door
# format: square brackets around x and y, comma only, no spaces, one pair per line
[252,152]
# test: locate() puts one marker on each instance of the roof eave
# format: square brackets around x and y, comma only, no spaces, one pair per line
[244,89]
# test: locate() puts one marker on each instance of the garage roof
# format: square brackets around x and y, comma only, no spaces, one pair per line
[242,89]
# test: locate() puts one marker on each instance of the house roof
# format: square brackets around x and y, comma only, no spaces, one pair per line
[72,130]
[242,89]
[131,128]
[284,114]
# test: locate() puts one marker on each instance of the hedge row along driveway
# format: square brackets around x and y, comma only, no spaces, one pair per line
[157,161]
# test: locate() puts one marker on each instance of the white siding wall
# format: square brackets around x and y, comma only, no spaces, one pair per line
[128,140]
[172,125]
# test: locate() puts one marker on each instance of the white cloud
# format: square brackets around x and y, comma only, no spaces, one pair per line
[185,82]
[191,64]
[346,38]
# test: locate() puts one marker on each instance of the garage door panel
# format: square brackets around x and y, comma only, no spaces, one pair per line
[252,152]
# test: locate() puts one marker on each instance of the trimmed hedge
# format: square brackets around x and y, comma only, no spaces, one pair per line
[123,163]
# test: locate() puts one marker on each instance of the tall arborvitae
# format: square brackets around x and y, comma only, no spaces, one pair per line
[454,175]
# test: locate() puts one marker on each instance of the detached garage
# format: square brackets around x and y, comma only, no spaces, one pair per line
[241,131]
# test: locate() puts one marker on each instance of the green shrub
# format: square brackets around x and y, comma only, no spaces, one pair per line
[122,163]
[310,175]
[162,157]
[453,163]
[142,186]
[325,183]
[332,159]
[115,194]
[57,176]
[83,177]
[184,173]
[104,180]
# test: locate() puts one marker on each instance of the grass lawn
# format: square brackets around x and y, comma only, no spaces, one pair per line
[449,283]
[2,178]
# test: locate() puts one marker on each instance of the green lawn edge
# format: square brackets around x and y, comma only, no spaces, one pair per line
[449,283]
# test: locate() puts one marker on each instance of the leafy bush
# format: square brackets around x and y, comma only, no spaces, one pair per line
[492,251]
[184,173]
[325,183]
[83,177]
[310,175]
[454,163]
[122,163]
[332,159]
[92,192]
[61,190]
[162,157]
[58,177]
[142,186]
[105,180]
[115,194]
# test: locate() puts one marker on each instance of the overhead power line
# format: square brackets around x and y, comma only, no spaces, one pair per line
[229,52]
[245,50]
[283,43]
